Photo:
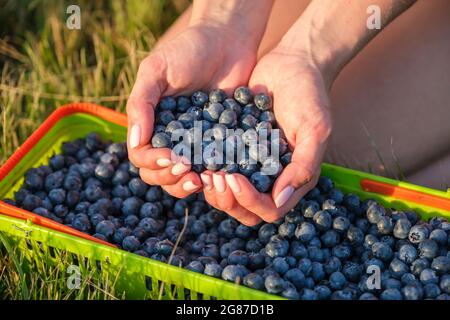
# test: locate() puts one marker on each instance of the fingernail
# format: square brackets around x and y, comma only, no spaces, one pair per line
[206,181]
[189,186]
[179,168]
[135,136]
[232,182]
[219,182]
[284,196]
[163,162]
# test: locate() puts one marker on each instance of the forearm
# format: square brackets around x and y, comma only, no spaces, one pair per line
[244,18]
[332,32]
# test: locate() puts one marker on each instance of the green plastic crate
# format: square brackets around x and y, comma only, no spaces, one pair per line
[139,277]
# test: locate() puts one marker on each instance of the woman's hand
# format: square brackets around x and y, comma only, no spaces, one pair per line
[203,56]
[301,108]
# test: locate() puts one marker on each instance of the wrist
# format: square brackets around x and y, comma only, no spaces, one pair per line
[241,21]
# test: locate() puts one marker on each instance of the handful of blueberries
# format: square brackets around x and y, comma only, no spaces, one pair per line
[215,132]
[330,246]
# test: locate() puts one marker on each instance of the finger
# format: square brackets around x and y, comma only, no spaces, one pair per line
[188,184]
[301,172]
[226,201]
[249,198]
[166,176]
[147,90]
[208,188]
[151,158]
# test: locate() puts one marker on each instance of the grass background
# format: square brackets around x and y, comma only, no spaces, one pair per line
[44,65]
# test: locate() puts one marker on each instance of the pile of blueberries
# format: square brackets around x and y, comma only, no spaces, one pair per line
[250,117]
[330,246]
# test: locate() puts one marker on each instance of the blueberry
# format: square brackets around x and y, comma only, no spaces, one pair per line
[277,248]
[337,280]
[213,111]
[286,159]
[355,235]
[150,225]
[418,233]
[81,222]
[247,168]
[106,228]
[132,206]
[261,181]
[408,278]
[228,118]
[308,294]
[104,171]
[342,252]
[402,228]
[287,230]
[309,208]
[441,265]
[33,181]
[199,98]
[398,268]
[418,265]
[439,236]
[120,234]
[243,95]
[352,271]
[407,253]
[153,194]
[248,121]
[431,291]
[275,284]
[429,276]
[172,126]
[167,103]
[305,232]
[254,281]
[444,283]
[137,187]
[391,283]
[332,265]
[428,249]
[385,225]
[187,121]
[109,158]
[57,162]
[412,292]
[195,112]
[131,221]
[305,265]
[161,140]
[211,250]
[367,296]
[227,227]
[391,294]
[322,220]
[183,103]
[31,202]
[374,213]
[57,196]
[42,212]
[243,232]
[213,270]
[234,273]
[264,128]
[382,251]
[118,149]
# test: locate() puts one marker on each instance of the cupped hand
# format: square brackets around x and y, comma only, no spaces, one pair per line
[203,56]
[301,108]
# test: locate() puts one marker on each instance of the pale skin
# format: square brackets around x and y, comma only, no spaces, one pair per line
[301,67]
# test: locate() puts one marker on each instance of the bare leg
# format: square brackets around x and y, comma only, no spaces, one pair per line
[391,104]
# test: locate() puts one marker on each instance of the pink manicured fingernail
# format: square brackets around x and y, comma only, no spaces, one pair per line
[135,136]
[284,196]
[163,162]
[219,182]
[189,186]
[179,168]
[206,181]
[232,182]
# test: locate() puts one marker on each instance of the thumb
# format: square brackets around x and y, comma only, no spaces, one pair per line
[147,90]
[301,174]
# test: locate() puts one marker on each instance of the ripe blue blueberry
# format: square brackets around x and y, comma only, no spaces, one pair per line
[167,103]
[263,102]
[261,181]
[277,248]
[234,273]
[382,251]
[402,228]
[309,208]
[398,268]
[429,276]
[418,233]
[274,284]
[374,213]
[137,187]
[132,206]
[305,232]
[412,292]
[428,249]
[212,111]
[161,140]
[243,95]
[441,265]
[322,220]
[106,228]
[228,118]
[337,280]
[355,235]
[439,236]
[199,98]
